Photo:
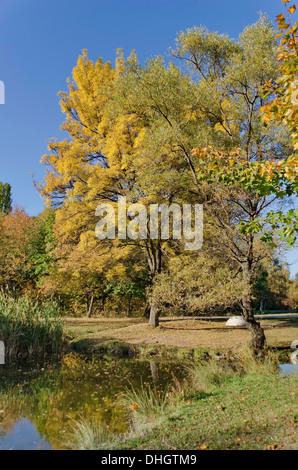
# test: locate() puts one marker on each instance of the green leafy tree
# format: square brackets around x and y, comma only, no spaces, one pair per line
[5,198]
[40,246]
[236,142]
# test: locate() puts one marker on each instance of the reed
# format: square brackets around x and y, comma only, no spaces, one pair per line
[29,327]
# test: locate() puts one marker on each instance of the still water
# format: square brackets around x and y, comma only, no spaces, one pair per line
[288,369]
[40,403]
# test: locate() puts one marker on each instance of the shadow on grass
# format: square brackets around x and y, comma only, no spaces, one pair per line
[103,346]
[205,329]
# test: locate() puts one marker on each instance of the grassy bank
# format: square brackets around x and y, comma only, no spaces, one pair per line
[248,407]
[249,413]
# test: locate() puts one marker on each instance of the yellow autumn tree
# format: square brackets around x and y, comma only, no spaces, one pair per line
[92,165]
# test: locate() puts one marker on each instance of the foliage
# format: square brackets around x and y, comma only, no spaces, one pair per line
[198,284]
[263,175]
[40,244]
[15,228]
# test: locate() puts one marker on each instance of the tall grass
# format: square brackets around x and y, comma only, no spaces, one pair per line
[264,366]
[91,436]
[148,406]
[28,327]
[146,401]
[207,375]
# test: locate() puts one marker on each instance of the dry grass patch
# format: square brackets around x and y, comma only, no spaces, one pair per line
[181,333]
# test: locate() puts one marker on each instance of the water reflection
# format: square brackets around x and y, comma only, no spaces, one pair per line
[288,369]
[39,403]
[23,435]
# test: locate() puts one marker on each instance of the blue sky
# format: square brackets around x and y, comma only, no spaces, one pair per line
[40,41]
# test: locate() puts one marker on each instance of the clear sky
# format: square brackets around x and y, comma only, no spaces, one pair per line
[40,41]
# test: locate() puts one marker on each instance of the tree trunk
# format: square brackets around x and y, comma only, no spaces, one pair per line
[128,311]
[154,255]
[103,301]
[262,303]
[258,339]
[147,311]
[154,316]
[90,306]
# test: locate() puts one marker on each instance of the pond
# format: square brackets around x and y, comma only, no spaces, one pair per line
[288,369]
[40,403]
